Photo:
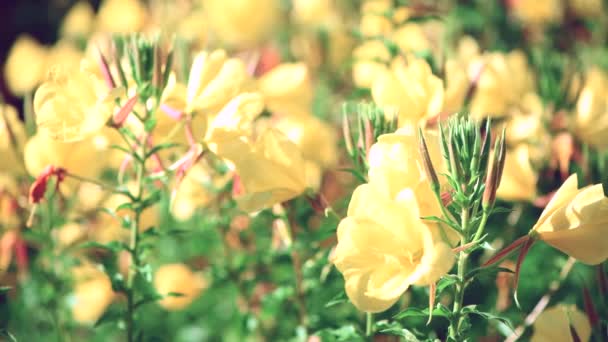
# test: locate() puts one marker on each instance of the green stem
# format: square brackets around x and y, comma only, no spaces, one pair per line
[369,323]
[482,224]
[456,322]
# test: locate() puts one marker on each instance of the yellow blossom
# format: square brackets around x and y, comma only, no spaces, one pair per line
[25,65]
[591,118]
[242,23]
[395,163]
[73,105]
[384,247]
[555,324]
[82,158]
[214,80]
[92,294]
[538,12]
[12,139]
[287,89]
[374,19]
[370,59]
[576,222]
[411,87]
[316,139]
[271,169]
[410,37]
[180,280]
[518,182]
[78,23]
[121,16]
[66,55]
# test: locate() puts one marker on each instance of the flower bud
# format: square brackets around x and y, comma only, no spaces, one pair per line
[427,162]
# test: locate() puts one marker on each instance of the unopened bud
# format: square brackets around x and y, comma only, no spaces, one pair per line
[502,155]
[105,70]
[427,162]
[157,75]
[489,193]
[38,188]
[119,118]
[347,134]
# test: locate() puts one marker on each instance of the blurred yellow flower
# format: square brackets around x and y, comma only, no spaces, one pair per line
[79,21]
[287,89]
[384,247]
[66,55]
[411,37]
[82,158]
[586,8]
[12,139]
[591,117]
[370,60]
[375,19]
[554,324]
[271,169]
[92,294]
[411,87]
[177,279]
[312,12]
[25,65]
[535,12]
[518,182]
[121,16]
[576,222]
[73,105]
[243,23]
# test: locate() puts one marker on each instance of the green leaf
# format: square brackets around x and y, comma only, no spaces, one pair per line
[113,246]
[472,309]
[4,289]
[338,299]
[113,315]
[161,147]
[444,283]
[439,311]
[149,201]
[394,328]
[150,124]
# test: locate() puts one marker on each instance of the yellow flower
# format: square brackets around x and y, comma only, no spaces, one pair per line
[411,87]
[243,23]
[370,59]
[586,8]
[12,139]
[384,247]
[82,158]
[525,123]
[395,163]
[316,139]
[591,119]
[25,65]
[287,89]
[214,80]
[410,37]
[92,294]
[312,12]
[66,55]
[234,120]
[518,182]
[576,222]
[177,279]
[271,169]
[538,12]
[78,23]
[554,324]
[121,16]
[374,19]
[73,105]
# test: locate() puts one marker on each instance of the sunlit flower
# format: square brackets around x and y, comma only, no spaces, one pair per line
[411,87]
[287,89]
[591,117]
[79,21]
[82,158]
[25,65]
[375,20]
[92,294]
[384,248]
[576,222]
[73,105]
[121,16]
[178,284]
[370,60]
[556,324]
[518,182]
[316,139]
[271,170]
[411,37]
[538,12]
[242,23]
